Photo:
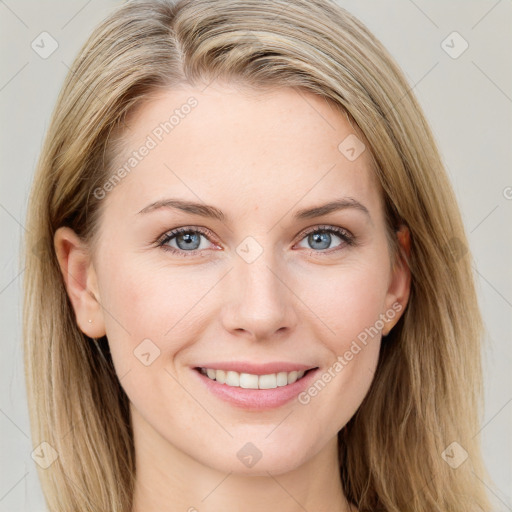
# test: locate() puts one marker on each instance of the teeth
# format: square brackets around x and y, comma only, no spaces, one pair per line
[220,376]
[250,381]
[282,379]
[268,381]
[232,379]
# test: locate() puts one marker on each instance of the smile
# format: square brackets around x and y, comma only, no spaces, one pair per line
[255,386]
[252,381]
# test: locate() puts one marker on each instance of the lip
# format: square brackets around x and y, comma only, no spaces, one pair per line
[254,368]
[257,399]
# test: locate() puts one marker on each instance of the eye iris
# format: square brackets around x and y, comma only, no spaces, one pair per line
[323,238]
[189,238]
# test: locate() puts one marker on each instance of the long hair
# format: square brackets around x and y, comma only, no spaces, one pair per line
[423,409]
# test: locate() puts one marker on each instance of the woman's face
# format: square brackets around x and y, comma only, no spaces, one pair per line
[258,276]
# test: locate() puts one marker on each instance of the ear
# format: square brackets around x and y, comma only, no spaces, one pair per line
[400,282]
[80,280]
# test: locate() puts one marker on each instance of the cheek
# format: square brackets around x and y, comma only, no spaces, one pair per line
[345,300]
[349,305]
[150,309]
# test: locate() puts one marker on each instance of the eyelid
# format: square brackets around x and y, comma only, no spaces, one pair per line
[326,227]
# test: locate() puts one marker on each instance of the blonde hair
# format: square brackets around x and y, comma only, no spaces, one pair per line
[427,389]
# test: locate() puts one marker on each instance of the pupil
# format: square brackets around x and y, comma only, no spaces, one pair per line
[189,239]
[323,238]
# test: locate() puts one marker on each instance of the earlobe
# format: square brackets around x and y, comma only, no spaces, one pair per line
[400,283]
[80,281]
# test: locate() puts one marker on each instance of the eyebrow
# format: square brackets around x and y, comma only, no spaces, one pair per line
[201,209]
[209,211]
[337,204]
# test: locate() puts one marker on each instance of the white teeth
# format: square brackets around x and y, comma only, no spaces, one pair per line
[233,379]
[250,381]
[268,381]
[282,379]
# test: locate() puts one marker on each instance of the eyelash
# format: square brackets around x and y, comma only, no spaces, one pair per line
[346,237]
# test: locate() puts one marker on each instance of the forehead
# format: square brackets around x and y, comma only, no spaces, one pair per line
[240,146]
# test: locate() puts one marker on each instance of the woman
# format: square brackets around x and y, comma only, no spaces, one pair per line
[250,288]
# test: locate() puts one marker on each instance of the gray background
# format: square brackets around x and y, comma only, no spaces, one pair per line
[468,101]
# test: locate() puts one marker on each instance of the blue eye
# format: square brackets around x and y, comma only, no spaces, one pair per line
[188,241]
[320,238]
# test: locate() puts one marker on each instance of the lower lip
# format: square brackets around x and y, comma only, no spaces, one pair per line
[257,399]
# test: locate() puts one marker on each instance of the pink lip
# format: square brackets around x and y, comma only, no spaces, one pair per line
[257,399]
[256,369]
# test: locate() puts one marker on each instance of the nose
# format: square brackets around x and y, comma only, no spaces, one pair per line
[259,303]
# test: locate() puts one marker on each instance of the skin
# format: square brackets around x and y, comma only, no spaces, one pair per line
[258,157]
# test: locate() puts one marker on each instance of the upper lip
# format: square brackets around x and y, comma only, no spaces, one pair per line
[256,369]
